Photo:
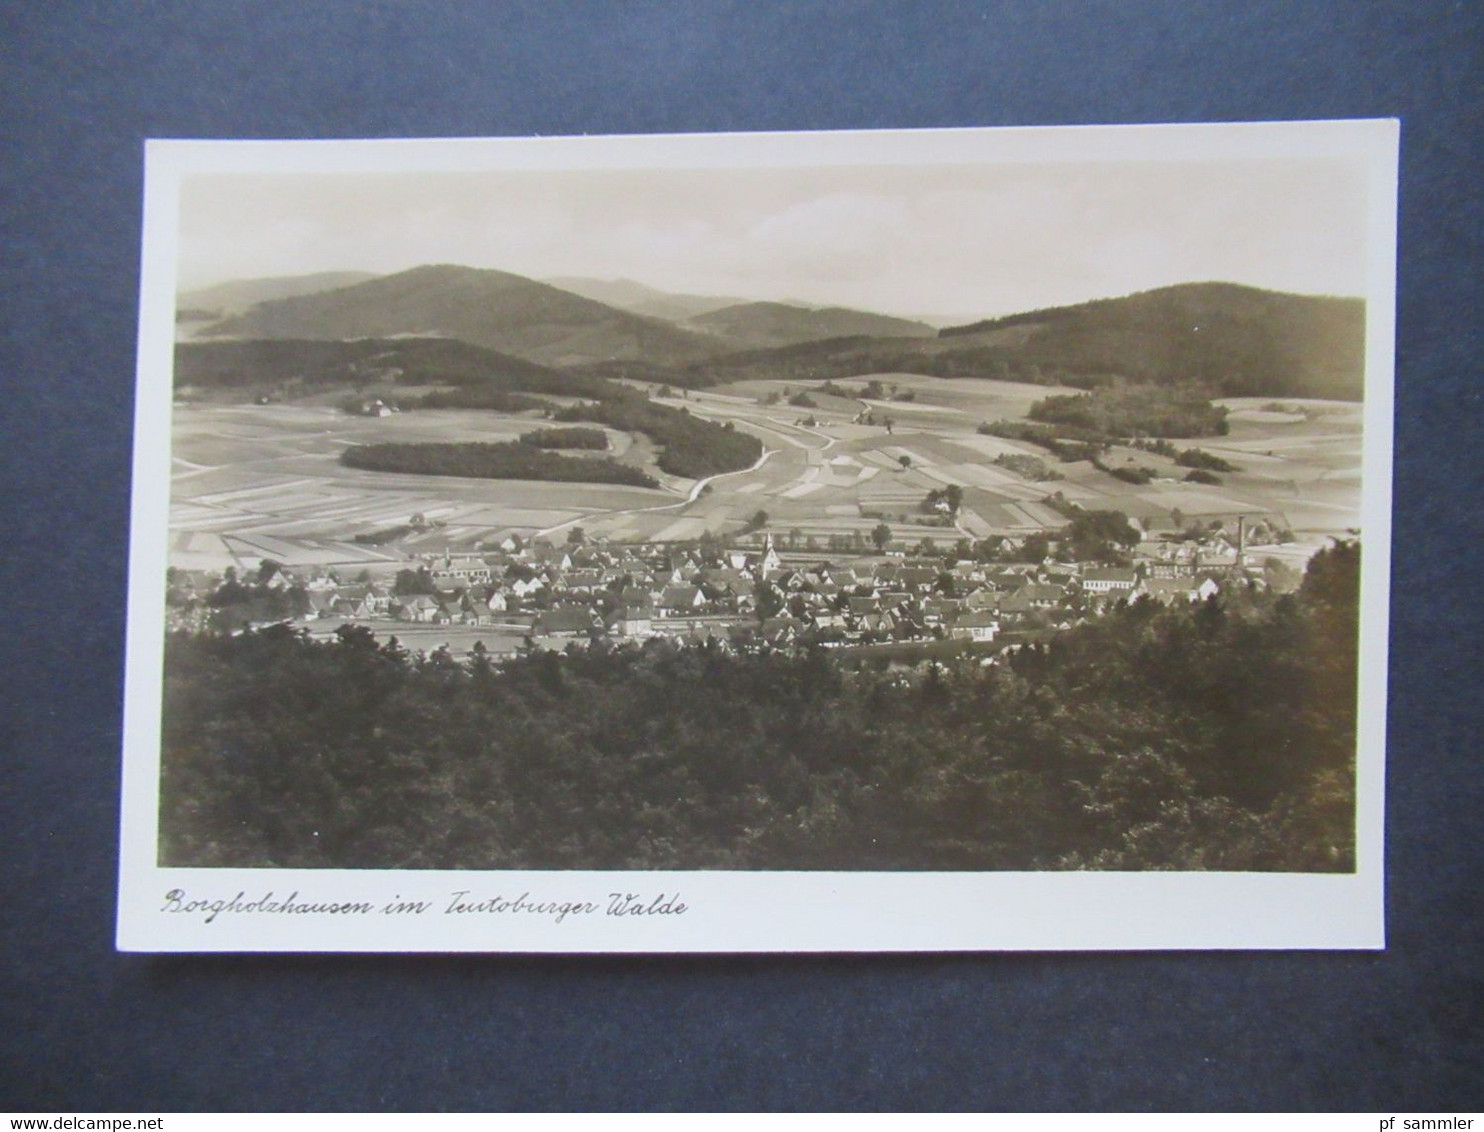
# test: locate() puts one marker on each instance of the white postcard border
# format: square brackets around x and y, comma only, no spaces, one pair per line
[256,910]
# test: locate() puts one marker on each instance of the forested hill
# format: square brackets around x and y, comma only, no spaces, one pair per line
[783,324]
[504,312]
[244,369]
[240,294]
[1243,340]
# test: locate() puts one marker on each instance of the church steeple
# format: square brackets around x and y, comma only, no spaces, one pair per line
[771,561]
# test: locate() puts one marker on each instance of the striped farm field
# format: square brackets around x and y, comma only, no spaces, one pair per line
[255,481]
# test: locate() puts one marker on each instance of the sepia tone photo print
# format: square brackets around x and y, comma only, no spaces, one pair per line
[709,543]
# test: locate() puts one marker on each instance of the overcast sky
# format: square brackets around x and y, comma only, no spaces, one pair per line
[947,243]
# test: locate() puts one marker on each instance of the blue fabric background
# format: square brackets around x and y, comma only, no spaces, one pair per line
[81,84]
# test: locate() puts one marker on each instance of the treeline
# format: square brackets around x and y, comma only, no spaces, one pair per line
[1068,444]
[693,448]
[832,359]
[1219,736]
[493,398]
[301,365]
[1135,410]
[588,439]
[1185,457]
[497,461]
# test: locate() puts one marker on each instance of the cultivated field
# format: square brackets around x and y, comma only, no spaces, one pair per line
[264,481]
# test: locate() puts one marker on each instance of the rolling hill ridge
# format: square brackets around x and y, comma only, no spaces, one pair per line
[753,325]
[1237,340]
[239,295]
[496,309]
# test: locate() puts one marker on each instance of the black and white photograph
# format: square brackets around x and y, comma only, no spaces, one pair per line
[903,540]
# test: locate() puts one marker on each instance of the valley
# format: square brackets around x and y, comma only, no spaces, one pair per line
[256,481]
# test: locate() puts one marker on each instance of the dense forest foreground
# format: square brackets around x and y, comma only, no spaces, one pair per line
[1215,736]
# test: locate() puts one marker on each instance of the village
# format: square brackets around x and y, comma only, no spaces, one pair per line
[529,596]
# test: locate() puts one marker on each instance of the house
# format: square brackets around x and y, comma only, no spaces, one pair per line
[919,578]
[353,607]
[981,599]
[1174,567]
[1041,595]
[633,619]
[584,580]
[524,587]
[680,599]
[940,611]
[1167,591]
[981,626]
[1106,580]
[783,631]
[476,612]
[555,557]
[321,603]
[967,570]
[416,607]
[568,622]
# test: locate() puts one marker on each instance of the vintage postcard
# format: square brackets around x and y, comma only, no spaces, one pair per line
[899,541]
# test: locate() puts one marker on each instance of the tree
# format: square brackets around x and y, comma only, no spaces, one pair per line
[905,460]
[769,601]
[576,536]
[881,535]
[1035,548]
[411,582]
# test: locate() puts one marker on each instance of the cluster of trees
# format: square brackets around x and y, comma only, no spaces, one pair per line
[1098,536]
[1068,444]
[490,397]
[1204,461]
[693,448]
[1185,457]
[240,599]
[1128,473]
[385,535]
[498,461]
[589,439]
[1027,467]
[949,499]
[1213,737]
[1123,410]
